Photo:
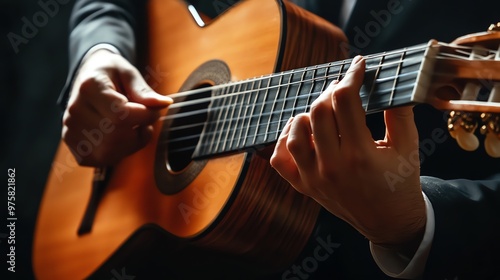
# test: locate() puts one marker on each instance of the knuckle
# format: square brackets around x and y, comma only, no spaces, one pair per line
[294,145]
[341,92]
[94,82]
[276,162]
[74,107]
[319,110]
[128,72]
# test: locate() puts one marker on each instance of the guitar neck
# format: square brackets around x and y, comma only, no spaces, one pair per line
[250,114]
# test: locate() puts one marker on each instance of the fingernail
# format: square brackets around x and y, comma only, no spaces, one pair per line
[167,99]
[357,59]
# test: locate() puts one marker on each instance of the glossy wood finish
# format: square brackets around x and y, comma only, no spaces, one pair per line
[257,215]
[456,72]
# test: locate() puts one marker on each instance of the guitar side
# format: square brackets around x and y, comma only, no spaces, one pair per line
[236,204]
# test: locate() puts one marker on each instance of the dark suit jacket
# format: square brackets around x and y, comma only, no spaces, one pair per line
[467,211]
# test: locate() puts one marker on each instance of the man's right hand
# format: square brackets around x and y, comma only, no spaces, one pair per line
[110,111]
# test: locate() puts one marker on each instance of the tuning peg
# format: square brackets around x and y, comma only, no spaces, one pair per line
[491,128]
[494,27]
[461,126]
[467,140]
[492,145]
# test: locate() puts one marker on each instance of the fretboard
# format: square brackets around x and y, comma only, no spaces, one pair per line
[252,113]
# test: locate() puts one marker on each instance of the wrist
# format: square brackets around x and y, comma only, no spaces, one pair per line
[404,232]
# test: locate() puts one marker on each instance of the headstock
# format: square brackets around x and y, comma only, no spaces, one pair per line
[467,83]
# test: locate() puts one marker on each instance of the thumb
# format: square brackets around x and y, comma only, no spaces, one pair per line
[140,92]
[401,131]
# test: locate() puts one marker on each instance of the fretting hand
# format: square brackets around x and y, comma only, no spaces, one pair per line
[330,155]
[110,111]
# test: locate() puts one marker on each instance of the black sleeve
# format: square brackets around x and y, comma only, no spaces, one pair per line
[466,242]
[94,22]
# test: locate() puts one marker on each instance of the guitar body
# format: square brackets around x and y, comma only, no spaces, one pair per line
[233,204]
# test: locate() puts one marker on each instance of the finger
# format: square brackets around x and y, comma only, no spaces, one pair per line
[300,144]
[137,90]
[324,126]
[112,105]
[135,114]
[349,113]
[99,92]
[401,131]
[282,160]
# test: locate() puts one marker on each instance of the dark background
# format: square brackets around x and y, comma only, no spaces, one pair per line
[30,81]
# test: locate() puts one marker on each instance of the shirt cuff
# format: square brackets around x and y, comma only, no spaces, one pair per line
[101,46]
[397,265]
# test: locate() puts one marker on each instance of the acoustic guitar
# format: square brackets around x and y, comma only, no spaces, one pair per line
[204,179]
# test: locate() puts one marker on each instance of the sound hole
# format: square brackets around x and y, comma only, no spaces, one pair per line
[174,168]
[185,130]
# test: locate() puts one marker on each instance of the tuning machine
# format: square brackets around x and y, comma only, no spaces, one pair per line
[491,128]
[462,126]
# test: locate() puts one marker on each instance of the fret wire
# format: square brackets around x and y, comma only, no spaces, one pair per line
[261,110]
[385,79]
[254,103]
[218,119]
[298,90]
[309,94]
[239,112]
[246,103]
[391,98]
[377,73]
[185,103]
[232,104]
[283,105]
[317,93]
[341,69]
[224,118]
[227,121]
[280,83]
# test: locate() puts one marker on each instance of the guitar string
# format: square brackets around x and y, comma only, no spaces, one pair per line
[266,114]
[304,107]
[315,79]
[273,123]
[290,72]
[401,77]
[225,86]
[326,65]
[237,140]
[312,81]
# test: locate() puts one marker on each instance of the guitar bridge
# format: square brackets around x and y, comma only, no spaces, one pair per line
[99,182]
